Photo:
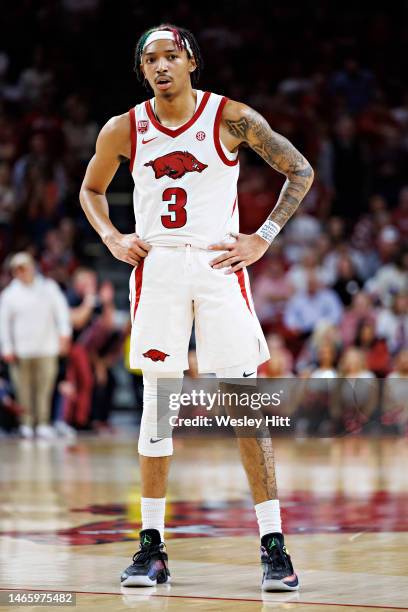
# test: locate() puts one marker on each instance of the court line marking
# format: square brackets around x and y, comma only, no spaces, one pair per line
[203,597]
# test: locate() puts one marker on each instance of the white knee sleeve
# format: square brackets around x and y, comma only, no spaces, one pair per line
[151,443]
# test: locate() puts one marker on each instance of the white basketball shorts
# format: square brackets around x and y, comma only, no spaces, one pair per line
[172,287]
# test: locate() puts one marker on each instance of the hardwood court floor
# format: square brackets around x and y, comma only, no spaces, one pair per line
[69,520]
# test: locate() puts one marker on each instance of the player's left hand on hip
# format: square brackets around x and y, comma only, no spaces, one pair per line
[243,252]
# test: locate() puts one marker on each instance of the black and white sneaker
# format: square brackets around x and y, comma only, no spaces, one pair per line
[149,565]
[278,573]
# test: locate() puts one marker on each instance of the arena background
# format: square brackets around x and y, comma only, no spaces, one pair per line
[332,78]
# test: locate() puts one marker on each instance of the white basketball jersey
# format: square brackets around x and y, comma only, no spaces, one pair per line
[185,179]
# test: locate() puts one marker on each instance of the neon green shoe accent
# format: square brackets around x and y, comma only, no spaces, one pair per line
[272,543]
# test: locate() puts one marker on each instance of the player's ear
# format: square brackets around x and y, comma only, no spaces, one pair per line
[192,65]
[142,70]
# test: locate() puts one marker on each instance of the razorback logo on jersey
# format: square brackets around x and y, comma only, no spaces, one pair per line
[175,164]
[155,355]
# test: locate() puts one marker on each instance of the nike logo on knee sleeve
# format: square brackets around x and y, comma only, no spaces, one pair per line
[245,375]
[152,441]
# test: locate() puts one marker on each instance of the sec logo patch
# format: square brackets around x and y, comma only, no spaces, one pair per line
[200,135]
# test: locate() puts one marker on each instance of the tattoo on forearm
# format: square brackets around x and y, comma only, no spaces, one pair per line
[279,153]
[267,467]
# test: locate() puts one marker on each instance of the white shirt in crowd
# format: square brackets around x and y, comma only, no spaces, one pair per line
[33,318]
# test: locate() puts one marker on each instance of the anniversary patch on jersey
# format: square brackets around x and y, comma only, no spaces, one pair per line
[175,164]
[142,126]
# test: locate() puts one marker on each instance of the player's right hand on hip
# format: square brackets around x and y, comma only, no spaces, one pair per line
[128,247]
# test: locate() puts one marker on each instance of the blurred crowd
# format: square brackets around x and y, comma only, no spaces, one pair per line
[332,291]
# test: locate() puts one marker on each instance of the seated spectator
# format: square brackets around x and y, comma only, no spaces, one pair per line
[276,366]
[395,405]
[49,168]
[331,261]
[80,131]
[8,208]
[361,309]
[390,279]
[348,282]
[356,394]
[377,356]
[301,234]
[307,308]
[57,261]
[8,137]
[103,341]
[323,334]
[400,214]
[271,290]
[298,273]
[327,355]
[392,323]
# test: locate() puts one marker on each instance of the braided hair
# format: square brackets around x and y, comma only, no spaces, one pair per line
[181,36]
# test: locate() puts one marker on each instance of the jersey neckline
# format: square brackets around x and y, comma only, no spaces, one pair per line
[182,128]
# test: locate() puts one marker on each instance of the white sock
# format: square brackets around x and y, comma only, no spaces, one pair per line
[269,518]
[153,509]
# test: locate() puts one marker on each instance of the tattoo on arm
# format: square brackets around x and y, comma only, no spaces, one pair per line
[279,153]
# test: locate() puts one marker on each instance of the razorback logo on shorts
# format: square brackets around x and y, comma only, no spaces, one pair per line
[155,355]
[175,164]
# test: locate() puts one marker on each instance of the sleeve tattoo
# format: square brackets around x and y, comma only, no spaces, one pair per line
[279,153]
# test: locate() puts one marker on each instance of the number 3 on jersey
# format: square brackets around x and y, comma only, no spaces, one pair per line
[176,198]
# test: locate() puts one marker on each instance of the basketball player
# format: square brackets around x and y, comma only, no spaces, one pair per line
[190,263]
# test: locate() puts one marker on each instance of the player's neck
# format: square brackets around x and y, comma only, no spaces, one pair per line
[177,110]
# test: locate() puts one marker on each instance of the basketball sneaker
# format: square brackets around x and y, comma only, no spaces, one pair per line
[149,565]
[278,573]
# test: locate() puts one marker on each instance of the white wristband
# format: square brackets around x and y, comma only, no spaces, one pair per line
[269,230]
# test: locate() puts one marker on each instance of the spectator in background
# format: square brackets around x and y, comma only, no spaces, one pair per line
[400,214]
[35,78]
[84,306]
[355,84]
[300,235]
[356,396]
[8,137]
[392,323]
[327,355]
[377,356]
[395,405]
[57,260]
[103,341]
[308,308]
[34,330]
[80,132]
[390,279]
[10,410]
[349,168]
[361,309]
[272,288]
[280,362]
[299,272]
[8,207]
[324,334]
[49,168]
[348,282]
